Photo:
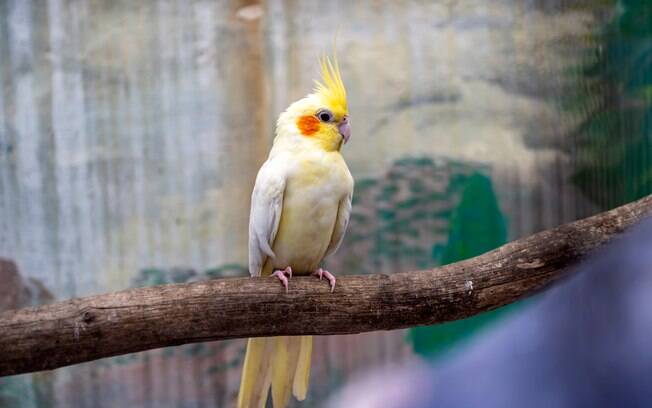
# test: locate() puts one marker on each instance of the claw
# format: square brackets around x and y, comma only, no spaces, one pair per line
[324,273]
[280,274]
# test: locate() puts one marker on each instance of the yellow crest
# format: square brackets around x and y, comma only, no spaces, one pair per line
[331,87]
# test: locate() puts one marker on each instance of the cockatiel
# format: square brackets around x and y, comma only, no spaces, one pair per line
[300,208]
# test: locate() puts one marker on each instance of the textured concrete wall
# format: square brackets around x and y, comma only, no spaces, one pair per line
[131,133]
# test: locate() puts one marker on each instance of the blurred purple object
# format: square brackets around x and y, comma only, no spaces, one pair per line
[585,343]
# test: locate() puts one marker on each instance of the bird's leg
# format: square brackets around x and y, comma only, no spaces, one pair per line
[323,273]
[280,274]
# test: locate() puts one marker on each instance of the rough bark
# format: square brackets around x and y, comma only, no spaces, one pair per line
[123,322]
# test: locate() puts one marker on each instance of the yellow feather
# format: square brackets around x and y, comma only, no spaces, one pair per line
[280,362]
[303,244]
[256,373]
[284,362]
[331,87]
[302,375]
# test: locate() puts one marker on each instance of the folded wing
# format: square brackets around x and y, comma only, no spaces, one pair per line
[265,215]
[342,221]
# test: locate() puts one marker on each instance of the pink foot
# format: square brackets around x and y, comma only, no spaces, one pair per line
[280,274]
[321,273]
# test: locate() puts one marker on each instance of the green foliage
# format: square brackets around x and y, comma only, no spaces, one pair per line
[476,226]
[420,214]
[226,270]
[160,276]
[150,277]
[612,143]
[400,219]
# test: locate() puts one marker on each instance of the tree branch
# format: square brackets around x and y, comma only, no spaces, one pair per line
[133,320]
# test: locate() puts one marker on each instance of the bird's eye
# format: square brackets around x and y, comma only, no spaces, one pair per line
[324,115]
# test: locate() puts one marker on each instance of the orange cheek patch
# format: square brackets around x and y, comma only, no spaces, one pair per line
[308,125]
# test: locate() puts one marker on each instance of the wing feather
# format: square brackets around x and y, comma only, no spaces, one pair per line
[265,215]
[342,221]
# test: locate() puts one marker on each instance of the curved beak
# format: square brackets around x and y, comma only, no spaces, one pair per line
[345,129]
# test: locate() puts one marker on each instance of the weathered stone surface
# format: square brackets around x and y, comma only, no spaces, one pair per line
[130,133]
[17,291]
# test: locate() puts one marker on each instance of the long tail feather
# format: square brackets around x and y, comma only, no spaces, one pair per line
[283,363]
[302,374]
[256,373]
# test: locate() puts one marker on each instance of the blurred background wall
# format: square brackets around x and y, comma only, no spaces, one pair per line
[131,133]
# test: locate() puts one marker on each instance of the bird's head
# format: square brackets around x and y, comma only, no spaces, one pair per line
[321,119]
